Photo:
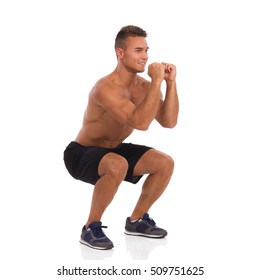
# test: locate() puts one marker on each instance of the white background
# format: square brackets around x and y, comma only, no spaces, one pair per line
[52,52]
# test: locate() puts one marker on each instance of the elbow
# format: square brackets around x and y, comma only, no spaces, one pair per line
[173,124]
[142,126]
[169,124]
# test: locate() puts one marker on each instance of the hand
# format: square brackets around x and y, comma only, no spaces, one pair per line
[169,72]
[156,71]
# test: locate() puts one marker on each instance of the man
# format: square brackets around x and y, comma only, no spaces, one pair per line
[119,103]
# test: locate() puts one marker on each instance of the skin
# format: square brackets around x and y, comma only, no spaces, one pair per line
[118,104]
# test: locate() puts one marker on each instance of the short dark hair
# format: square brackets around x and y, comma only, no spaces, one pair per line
[128,31]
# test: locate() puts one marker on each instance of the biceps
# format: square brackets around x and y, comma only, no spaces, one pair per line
[120,109]
[121,112]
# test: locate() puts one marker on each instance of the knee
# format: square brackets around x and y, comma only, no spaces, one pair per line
[119,167]
[167,164]
[115,166]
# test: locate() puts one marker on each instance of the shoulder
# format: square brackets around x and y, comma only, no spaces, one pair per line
[104,84]
[105,91]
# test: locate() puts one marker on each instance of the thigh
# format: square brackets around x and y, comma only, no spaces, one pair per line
[82,162]
[152,161]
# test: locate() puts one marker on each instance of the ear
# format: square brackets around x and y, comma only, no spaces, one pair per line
[119,53]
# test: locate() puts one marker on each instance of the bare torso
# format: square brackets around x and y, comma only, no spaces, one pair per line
[99,127]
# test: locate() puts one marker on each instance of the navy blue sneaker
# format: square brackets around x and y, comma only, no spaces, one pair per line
[95,238]
[144,227]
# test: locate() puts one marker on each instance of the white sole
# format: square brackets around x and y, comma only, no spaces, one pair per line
[143,234]
[93,247]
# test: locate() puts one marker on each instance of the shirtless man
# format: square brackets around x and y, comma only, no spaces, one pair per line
[119,103]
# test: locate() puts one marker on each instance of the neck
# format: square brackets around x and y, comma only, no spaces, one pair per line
[125,77]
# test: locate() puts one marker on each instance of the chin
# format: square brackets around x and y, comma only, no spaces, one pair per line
[140,70]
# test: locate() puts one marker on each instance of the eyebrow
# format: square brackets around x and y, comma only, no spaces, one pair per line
[140,48]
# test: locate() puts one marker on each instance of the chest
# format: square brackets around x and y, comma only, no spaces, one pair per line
[135,96]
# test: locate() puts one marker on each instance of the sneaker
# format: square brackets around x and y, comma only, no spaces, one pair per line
[144,227]
[95,238]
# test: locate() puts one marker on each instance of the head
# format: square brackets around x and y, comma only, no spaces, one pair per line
[131,47]
[126,32]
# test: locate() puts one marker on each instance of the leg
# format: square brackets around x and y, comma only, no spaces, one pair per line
[112,170]
[159,166]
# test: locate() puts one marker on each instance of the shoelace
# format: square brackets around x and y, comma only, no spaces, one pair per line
[149,220]
[98,232]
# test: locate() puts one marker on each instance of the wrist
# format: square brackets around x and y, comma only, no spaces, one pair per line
[170,83]
[156,82]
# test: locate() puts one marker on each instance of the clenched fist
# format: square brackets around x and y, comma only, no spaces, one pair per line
[170,71]
[162,71]
[156,71]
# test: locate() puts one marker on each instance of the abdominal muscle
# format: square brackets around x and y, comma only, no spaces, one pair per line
[107,134]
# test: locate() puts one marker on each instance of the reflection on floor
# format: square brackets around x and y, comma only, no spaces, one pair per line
[139,248]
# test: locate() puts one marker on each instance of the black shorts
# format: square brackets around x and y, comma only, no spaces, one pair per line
[82,161]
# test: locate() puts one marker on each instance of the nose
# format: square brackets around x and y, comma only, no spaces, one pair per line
[144,55]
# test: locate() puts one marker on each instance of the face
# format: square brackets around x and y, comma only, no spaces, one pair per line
[135,56]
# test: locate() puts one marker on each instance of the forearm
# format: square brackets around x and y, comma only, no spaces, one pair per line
[169,110]
[146,112]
